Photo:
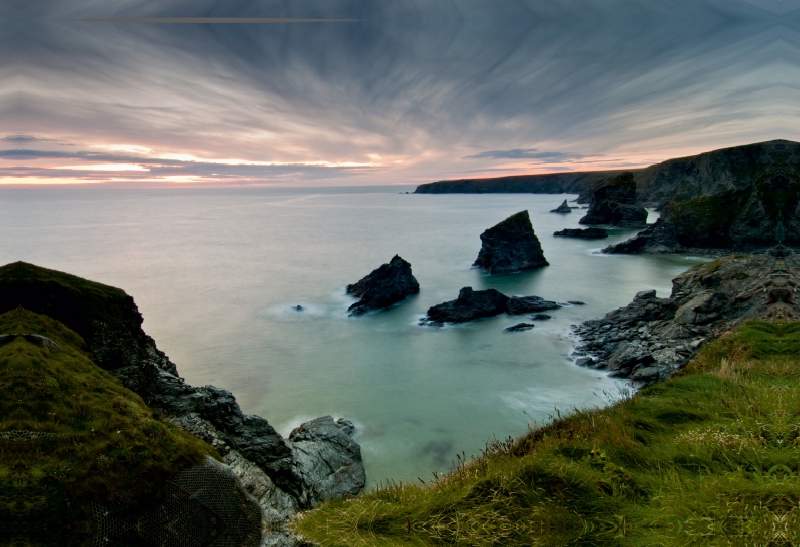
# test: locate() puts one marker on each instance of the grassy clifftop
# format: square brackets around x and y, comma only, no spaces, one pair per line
[71,436]
[708,457]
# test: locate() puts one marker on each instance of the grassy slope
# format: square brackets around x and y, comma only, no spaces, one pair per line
[708,457]
[107,447]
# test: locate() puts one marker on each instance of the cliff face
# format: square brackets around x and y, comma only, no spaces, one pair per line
[110,323]
[674,179]
[760,215]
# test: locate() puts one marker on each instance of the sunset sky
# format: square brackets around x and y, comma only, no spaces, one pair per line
[383,92]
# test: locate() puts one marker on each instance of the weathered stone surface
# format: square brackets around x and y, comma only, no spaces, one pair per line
[541,317]
[328,459]
[511,246]
[563,208]
[615,204]
[517,305]
[582,233]
[758,216]
[652,337]
[388,284]
[469,305]
[519,327]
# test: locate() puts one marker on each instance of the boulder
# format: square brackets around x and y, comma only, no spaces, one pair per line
[511,246]
[541,317]
[384,286]
[563,208]
[519,327]
[327,458]
[517,305]
[582,233]
[615,204]
[469,305]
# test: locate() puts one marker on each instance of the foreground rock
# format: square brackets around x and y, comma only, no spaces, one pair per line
[511,246]
[519,327]
[517,305]
[384,286]
[109,322]
[563,208]
[615,204]
[652,337]
[758,216]
[582,233]
[469,305]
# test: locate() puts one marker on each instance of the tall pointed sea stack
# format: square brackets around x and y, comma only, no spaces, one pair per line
[511,246]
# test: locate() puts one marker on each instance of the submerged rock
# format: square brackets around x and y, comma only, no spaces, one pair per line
[517,305]
[563,208]
[511,246]
[298,307]
[519,327]
[541,317]
[615,204]
[384,286]
[469,305]
[582,233]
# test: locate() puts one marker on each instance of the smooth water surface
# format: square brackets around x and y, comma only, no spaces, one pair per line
[215,273]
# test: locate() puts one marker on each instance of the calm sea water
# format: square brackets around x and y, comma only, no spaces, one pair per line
[215,273]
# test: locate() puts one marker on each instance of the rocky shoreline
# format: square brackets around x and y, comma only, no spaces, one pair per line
[652,337]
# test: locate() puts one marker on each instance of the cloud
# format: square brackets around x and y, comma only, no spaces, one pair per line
[523,153]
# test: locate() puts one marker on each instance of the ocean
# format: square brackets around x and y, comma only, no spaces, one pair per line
[215,273]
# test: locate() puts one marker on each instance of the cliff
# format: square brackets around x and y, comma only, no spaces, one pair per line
[674,179]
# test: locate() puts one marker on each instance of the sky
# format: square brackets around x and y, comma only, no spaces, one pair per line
[366,92]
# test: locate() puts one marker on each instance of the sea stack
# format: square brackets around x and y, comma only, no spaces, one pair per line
[469,305]
[615,204]
[384,286]
[511,246]
[563,208]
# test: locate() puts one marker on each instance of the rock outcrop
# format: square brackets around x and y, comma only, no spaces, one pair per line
[471,305]
[582,233]
[761,215]
[110,324]
[652,337]
[563,208]
[615,204]
[384,286]
[511,246]
[519,327]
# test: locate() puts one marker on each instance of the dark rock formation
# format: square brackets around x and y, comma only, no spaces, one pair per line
[109,321]
[551,183]
[563,208]
[517,305]
[615,204]
[652,337]
[511,246]
[576,302]
[582,233]
[541,317]
[469,305]
[384,286]
[761,215]
[519,327]
[298,307]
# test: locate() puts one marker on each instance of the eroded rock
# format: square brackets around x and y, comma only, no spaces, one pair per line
[386,285]
[511,246]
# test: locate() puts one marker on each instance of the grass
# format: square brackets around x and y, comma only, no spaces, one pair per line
[94,441]
[708,457]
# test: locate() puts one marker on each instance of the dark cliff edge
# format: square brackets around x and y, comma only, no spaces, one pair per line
[677,178]
[319,461]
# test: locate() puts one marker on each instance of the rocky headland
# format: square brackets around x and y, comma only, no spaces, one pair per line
[758,216]
[652,337]
[319,461]
[386,285]
[471,305]
[615,204]
[582,233]
[511,246]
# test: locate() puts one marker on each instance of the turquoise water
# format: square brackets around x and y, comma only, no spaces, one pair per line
[214,272]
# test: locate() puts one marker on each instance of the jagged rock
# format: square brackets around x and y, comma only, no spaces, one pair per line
[511,246]
[517,305]
[563,208]
[328,459]
[582,233]
[298,307]
[469,305]
[384,286]
[761,215]
[519,327]
[615,204]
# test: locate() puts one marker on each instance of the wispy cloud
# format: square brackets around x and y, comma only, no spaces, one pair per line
[524,153]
